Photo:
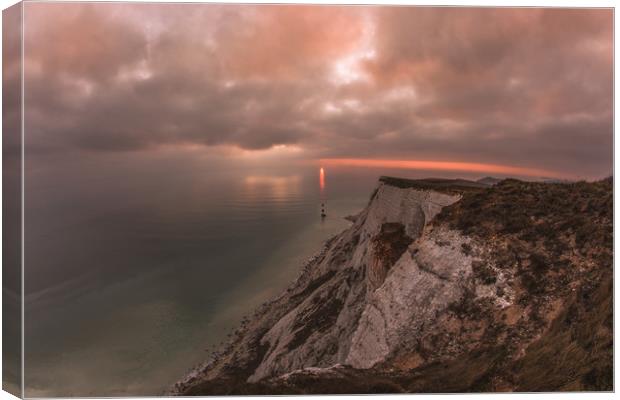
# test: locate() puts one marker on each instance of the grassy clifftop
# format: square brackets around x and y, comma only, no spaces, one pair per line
[558,240]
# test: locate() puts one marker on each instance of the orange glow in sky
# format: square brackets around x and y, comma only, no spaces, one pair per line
[441,166]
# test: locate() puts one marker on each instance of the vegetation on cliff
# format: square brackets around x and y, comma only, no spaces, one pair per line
[558,238]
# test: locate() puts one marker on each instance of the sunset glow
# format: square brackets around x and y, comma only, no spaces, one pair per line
[441,166]
[322,179]
[311,82]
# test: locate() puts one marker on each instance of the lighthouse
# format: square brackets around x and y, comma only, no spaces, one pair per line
[322,188]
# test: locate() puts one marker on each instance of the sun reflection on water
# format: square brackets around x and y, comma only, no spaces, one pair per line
[278,188]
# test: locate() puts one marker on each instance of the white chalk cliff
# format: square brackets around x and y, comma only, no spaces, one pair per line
[355,304]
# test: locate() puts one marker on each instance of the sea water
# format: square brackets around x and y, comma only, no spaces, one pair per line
[136,267]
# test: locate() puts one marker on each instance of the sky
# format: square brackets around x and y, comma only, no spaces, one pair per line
[528,89]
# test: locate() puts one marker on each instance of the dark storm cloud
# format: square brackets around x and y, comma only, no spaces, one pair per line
[515,86]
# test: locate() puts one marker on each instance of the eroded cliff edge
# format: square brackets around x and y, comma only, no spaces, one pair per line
[440,286]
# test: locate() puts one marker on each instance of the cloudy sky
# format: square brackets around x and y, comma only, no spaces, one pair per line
[523,88]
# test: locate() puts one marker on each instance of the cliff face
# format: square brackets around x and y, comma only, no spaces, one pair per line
[348,318]
[401,292]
